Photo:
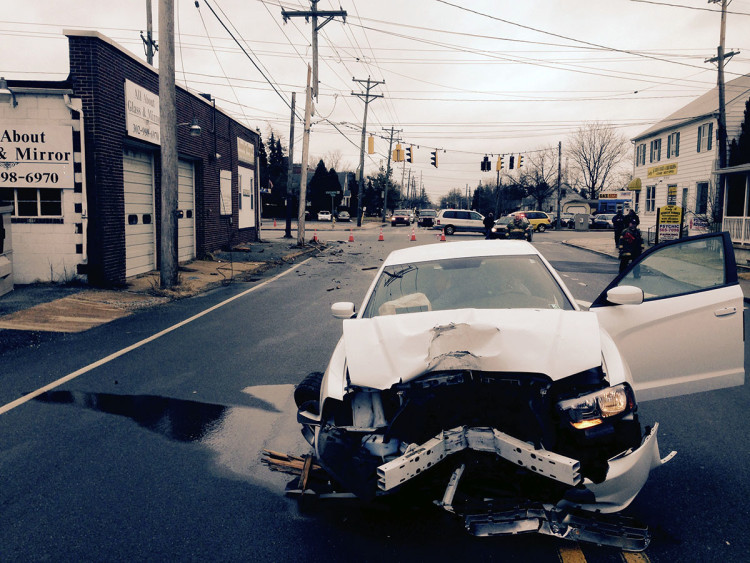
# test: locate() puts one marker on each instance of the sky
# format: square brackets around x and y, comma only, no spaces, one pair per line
[466,78]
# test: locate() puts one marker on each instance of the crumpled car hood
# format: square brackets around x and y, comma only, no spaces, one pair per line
[386,350]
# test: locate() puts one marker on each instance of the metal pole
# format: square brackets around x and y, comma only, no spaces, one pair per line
[168,115]
[559,171]
[290,173]
[387,178]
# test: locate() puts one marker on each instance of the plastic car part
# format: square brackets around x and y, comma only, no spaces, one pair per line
[419,458]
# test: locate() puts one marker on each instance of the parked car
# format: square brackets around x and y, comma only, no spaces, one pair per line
[459,220]
[401,217]
[324,215]
[476,376]
[567,221]
[539,220]
[602,221]
[500,230]
[426,217]
[344,216]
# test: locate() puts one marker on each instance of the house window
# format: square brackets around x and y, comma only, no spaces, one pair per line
[673,145]
[655,150]
[705,133]
[650,199]
[640,154]
[701,198]
[33,202]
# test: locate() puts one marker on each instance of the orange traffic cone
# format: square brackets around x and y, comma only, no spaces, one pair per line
[413,235]
[442,235]
[315,236]
[274,222]
[380,238]
[351,236]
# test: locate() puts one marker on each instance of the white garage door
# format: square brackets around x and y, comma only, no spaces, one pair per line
[185,211]
[140,227]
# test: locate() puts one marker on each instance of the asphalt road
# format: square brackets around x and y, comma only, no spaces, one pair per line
[154,454]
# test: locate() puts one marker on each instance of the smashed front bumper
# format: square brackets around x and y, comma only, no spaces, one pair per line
[626,475]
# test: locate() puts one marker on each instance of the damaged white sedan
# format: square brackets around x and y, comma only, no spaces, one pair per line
[471,372]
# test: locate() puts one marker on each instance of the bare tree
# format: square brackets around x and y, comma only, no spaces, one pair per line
[539,179]
[596,151]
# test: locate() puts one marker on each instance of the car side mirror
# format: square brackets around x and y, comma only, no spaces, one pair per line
[625,295]
[342,310]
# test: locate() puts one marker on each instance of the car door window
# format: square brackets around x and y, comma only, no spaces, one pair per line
[679,269]
[475,216]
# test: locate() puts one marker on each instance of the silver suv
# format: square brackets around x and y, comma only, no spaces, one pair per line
[459,220]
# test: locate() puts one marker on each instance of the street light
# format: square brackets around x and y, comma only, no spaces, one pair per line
[195,129]
[6,94]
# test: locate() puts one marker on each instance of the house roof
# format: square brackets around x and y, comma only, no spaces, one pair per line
[706,105]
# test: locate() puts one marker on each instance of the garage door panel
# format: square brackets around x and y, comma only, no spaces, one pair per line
[140,238]
[186,204]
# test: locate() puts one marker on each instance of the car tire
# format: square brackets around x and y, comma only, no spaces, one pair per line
[449,230]
[541,228]
[308,389]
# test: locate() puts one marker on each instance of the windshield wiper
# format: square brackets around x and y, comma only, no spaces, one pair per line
[398,274]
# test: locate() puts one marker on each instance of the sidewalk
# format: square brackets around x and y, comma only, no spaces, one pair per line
[48,307]
[606,247]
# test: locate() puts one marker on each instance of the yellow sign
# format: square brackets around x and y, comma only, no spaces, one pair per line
[670,215]
[663,170]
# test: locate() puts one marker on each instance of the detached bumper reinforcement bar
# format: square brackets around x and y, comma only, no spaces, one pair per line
[419,458]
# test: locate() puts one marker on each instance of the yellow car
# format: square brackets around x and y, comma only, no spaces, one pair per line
[539,219]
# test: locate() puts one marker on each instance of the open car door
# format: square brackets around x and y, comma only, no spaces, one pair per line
[677,317]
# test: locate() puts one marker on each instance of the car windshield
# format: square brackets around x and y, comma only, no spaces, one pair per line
[401,212]
[504,220]
[485,282]
[427,213]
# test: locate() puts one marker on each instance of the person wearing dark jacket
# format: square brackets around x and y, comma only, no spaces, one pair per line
[631,245]
[632,215]
[489,222]
[618,222]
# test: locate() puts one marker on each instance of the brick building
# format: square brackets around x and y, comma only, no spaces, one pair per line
[99,218]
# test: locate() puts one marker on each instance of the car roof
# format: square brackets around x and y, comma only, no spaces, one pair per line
[463,249]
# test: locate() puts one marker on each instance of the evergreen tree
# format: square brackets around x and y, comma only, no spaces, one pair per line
[316,189]
[739,148]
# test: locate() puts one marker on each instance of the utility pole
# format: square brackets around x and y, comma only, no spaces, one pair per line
[721,133]
[387,177]
[559,172]
[315,14]
[168,118]
[367,98]
[303,172]
[148,41]
[290,173]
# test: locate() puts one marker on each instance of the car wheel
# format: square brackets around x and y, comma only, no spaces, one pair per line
[541,228]
[309,388]
[449,230]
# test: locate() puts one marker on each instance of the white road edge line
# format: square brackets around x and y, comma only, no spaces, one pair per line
[20,401]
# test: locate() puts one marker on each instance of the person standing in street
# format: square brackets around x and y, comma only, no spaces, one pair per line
[489,221]
[618,222]
[632,215]
[631,246]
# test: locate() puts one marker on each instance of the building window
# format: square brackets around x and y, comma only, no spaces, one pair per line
[705,133]
[701,198]
[650,199]
[640,155]
[33,202]
[655,150]
[673,145]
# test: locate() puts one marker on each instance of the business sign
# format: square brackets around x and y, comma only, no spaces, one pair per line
[663,170]
[142,113]
[36,156]
[245,151]
[670,219]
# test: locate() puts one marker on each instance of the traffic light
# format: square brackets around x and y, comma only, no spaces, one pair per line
[433,158]
[371,145]
[511,160]
[520,160]
[398,153]
[486,165]
[499,165]
[408,154]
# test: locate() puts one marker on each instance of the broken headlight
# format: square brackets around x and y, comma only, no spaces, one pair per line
[592,409]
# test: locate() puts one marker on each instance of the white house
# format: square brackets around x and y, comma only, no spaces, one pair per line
[676,163]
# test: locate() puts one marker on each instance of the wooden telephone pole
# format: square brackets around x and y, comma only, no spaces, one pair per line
[367,98]
[314,13]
